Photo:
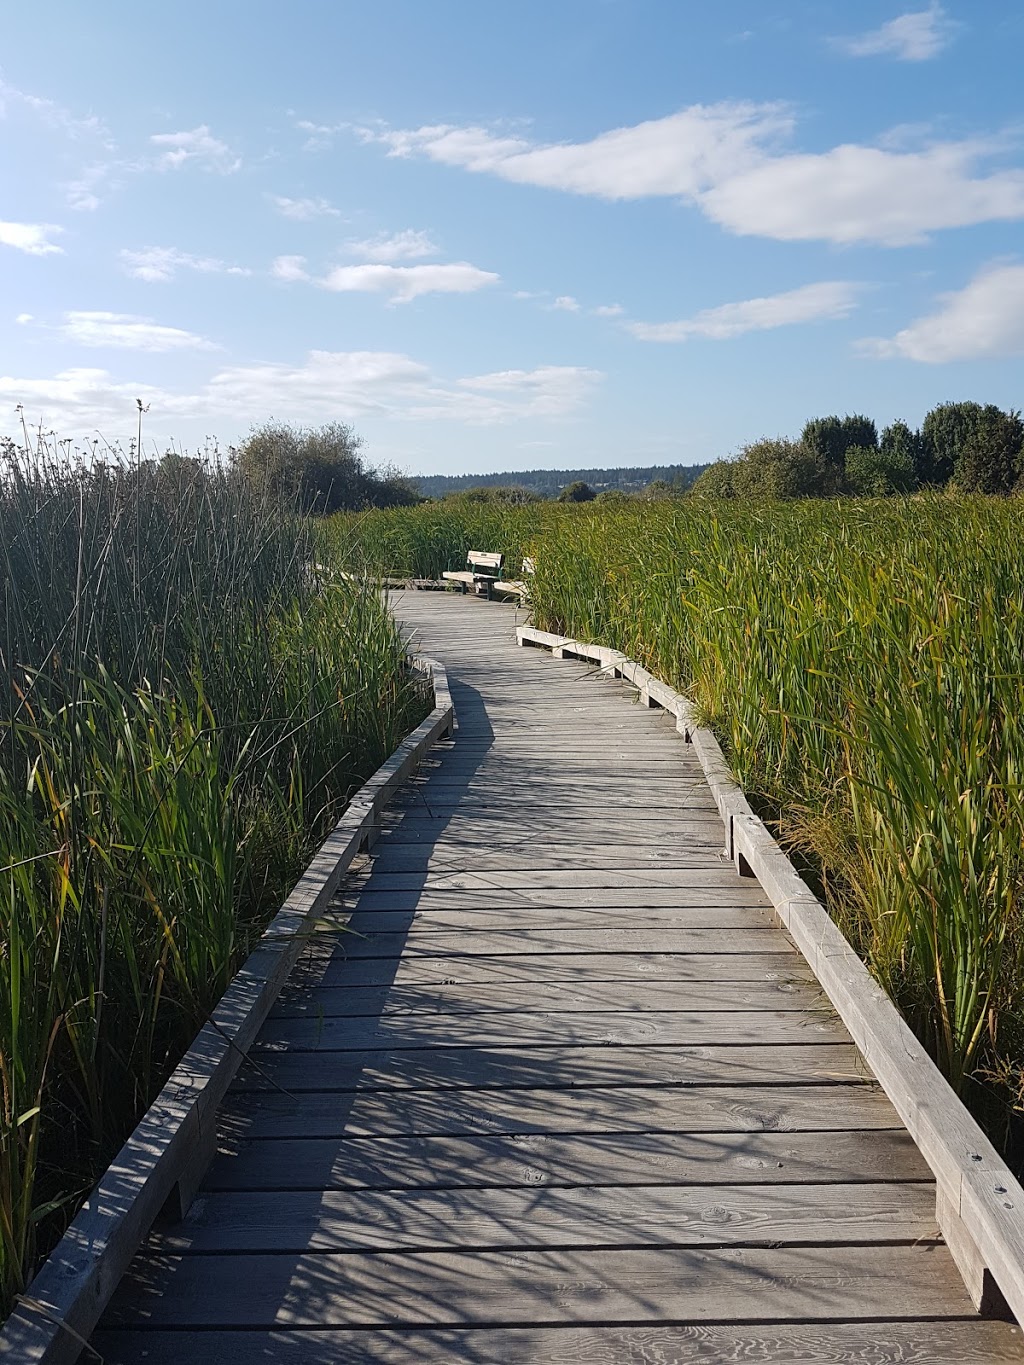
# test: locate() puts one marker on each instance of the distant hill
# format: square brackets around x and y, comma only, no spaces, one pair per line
[550,482]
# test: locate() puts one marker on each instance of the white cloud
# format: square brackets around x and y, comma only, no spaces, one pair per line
[984,320]
[32,238]
[915,37]
[864,194]
[127,332]
[196,145]
[399,246]
[809,303]
[302,210]
[290,268]
[726,159]
[345,385]
[78,399]
[565,303]
[677,155]
[157,264]
[608,310]
[406,282]
[23,318]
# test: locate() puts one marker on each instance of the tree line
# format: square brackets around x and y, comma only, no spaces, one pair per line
[550,483]
[971,447]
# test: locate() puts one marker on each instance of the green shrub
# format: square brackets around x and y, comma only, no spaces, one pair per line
[879,472]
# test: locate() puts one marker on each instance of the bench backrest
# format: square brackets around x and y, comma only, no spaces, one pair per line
[529,564]
[482,559]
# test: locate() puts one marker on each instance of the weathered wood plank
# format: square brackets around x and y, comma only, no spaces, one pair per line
[490,943]
[554,788]
[571,967]
[539,1287]
[452,854]
[518,1028]
[597,1159]
[717,877]
[601,1065]
[465,1219]
[664,804]
[476,915]
[945,1342]
[498,828]
[753,1108]
[559,997]
[525,900]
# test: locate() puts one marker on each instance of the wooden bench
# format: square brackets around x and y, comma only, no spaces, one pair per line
[518,587]
[482,574]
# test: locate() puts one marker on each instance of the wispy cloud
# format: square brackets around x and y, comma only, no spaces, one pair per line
[565,303]
[810,303]
[302,210]
[608,310]
[83,192]
[32,238]
[326,385]
[728,161]
[125,331]
[53,115]
[319,136]
[397,246]
[984,320]
[196,146]
[915,37]
[158,264]
[550,391]
[290,268]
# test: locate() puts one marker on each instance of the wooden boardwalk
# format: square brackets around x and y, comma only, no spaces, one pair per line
[563,1091]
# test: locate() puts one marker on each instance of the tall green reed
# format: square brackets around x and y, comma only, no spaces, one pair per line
[185,710]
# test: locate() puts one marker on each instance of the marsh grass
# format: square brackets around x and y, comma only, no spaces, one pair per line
[863,662]
[184,712]
[421,542]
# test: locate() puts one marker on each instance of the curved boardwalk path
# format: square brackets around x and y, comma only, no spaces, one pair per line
[567,1093]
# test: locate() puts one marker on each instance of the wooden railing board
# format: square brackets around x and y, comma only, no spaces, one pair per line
[168,1152]
[979,1203]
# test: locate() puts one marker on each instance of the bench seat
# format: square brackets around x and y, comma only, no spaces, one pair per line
[517,587]
[481,583]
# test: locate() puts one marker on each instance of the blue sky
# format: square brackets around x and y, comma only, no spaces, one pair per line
[570,233]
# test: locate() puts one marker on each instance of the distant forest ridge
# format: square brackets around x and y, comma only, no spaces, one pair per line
[548,483]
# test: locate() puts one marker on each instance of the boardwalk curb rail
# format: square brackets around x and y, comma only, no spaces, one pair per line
[979,1203]
[168,1153]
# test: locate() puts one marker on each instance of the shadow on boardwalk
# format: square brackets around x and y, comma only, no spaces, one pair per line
[539,1141]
